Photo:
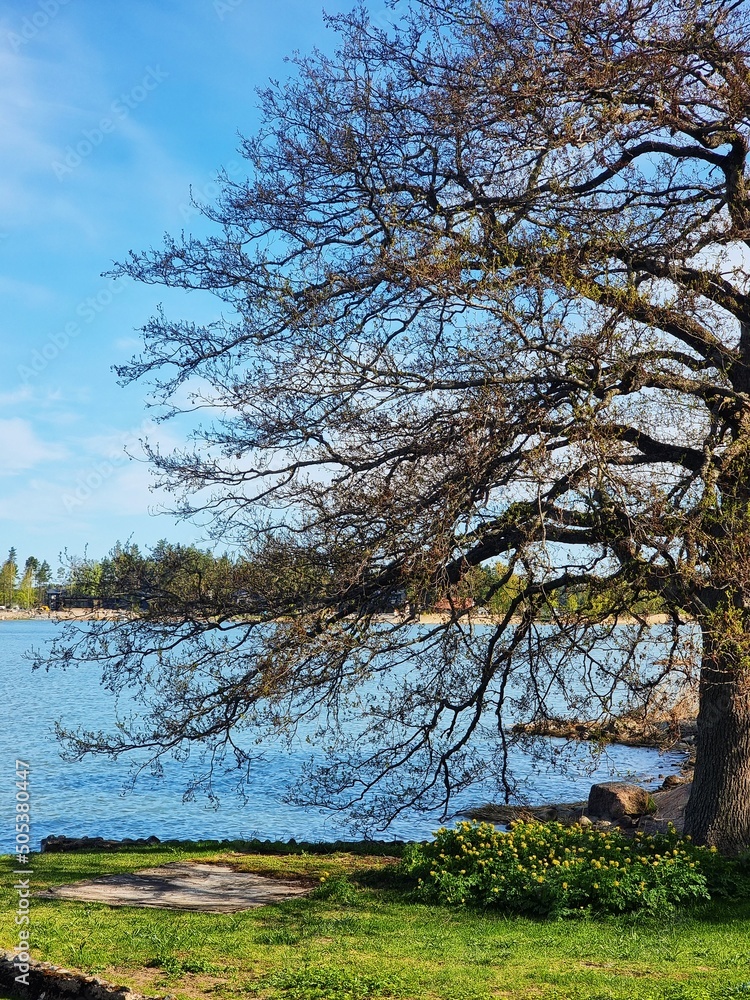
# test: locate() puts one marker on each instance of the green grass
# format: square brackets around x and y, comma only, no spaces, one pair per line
[360,937]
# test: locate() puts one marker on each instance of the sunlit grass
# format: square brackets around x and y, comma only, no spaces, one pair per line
[360,937]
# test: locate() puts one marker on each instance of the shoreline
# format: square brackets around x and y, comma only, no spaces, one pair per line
[442,618]
[425,618]
[72,614]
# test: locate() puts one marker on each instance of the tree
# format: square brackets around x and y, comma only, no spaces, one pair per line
[26,595]
[42,579]
[8,577]
[484,294]
[84,576]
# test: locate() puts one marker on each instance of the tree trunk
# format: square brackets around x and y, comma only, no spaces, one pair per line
[718,812]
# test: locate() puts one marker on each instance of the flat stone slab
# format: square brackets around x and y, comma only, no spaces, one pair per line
[182,886]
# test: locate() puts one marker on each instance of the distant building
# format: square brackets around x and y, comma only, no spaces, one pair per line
[59,599]
[457,604]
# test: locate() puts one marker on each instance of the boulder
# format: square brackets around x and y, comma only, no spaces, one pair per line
[652,826]
[614,799]
[670,805]
[675,780]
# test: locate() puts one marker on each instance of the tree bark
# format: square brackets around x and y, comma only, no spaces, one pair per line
[718,811]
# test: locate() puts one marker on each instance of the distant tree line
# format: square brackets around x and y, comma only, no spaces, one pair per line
[171,576]
[23,586]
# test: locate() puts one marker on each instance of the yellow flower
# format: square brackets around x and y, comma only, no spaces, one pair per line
[565,885]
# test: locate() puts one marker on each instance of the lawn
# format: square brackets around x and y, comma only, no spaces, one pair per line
[359,936]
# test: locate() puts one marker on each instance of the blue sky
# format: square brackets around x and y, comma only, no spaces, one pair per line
[110,113]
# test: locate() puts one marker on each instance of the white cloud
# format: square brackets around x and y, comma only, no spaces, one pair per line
[28,293]
[21,449]
[129,344]
[23,394]
[51,99]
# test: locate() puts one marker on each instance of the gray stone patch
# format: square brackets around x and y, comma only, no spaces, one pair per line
[182,886]
[51,982]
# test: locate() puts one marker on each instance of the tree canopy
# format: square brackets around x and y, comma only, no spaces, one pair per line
[484,295]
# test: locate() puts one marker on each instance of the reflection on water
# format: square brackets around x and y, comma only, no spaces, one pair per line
[84,799]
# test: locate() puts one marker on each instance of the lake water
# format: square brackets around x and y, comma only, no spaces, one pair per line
[85,798]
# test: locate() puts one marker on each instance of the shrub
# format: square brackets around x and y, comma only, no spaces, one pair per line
[550,869]
[337,888]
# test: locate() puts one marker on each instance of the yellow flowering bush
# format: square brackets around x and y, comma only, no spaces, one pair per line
[550,869]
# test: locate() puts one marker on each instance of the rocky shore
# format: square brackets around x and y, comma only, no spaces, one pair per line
[663,731]
[673,729]
[59,844]
[71,614]
[610,804]
[55,844]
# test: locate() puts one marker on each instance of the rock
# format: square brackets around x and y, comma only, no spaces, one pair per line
[615,799]
[674,780]
[670,805]
[56,983]
[652,826]
[564,812]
